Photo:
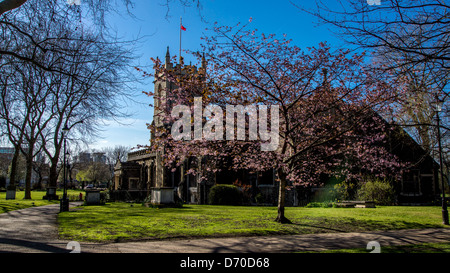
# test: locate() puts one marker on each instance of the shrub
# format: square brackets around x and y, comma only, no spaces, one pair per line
[325,204]
[377,190]
[225,195]
[344,191]
[246,191]
[260,199]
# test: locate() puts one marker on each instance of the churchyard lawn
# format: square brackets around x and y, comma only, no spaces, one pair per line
[36,200]
[115,222]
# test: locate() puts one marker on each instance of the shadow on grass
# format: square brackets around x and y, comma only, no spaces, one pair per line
[318,227]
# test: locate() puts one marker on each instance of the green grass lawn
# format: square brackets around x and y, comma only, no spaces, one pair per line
[124,221]
[36,200]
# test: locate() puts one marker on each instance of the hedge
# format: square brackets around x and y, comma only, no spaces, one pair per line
[222,194]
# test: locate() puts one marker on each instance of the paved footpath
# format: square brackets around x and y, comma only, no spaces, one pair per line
[34,230]
[31,230]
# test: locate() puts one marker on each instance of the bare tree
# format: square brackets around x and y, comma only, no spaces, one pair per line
[25,112]
[418,28]
[82,104]
[114,155]
[14,134]
[89,75]
[100,8]
[40,167]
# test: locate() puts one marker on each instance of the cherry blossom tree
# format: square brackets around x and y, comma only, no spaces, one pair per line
[323,111]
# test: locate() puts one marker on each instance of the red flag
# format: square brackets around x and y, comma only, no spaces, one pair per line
[183,28]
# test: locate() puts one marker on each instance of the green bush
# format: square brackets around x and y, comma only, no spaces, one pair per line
[377,190]
[344,191]
[325,204]
[225,195]
[260,199]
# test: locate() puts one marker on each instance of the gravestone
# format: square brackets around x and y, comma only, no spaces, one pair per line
[93,197]
[10,194]
[162,196]
[51,194]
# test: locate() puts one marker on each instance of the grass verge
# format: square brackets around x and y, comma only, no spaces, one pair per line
[36,200]
[126,222]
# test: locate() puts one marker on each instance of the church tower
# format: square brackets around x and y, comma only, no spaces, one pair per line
[144,173]
[163,87]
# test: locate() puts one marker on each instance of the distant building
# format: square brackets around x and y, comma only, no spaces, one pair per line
[39,172]
[7,152]
[6,155]
[86,157]
[98,157]
[83,157]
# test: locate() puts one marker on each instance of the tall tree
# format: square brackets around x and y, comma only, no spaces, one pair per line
[89,75]
[321,110]
[413,36]
[24,100]
[82,103]
[114,155]
[10,119]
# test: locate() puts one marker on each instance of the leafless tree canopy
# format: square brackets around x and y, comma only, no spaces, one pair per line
[61,66]
[57,72]
[419,28]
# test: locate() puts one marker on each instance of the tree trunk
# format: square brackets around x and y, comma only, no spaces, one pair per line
[29,174]
[13,174]
[281,198]
[53,172]
[39,184]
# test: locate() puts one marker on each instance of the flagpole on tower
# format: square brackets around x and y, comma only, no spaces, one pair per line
[182,28]
[181,25]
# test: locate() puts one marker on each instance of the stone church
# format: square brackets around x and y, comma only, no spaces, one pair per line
[144,177]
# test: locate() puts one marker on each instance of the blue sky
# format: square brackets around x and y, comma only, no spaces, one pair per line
[278,17]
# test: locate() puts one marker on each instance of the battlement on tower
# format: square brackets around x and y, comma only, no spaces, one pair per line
[182,68]
[164,86]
